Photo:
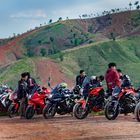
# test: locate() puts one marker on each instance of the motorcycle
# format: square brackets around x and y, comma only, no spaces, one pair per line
[36,102]
[5,102]
[14,107]
[60,101]
[93,102]
[125,103]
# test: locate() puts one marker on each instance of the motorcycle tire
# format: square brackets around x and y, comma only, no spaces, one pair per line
[80,115]
[137,112]
[49,111]
[30,111]
[108,108]
[12,112]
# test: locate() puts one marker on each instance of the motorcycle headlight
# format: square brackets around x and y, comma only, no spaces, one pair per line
[50,96]
[30,96]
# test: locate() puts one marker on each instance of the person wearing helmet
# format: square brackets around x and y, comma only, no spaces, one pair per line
[125,79]
[92,82]
[60,88]
[80,78]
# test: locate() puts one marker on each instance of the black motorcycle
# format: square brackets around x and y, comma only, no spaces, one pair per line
[60,101]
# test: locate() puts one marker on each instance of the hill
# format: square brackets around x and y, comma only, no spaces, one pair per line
[61,49]
[94,58]
[62,35]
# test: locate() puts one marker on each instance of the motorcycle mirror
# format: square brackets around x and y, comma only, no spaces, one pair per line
[49,84]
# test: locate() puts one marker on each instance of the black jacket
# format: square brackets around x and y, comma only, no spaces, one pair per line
[22,89]
[79,80]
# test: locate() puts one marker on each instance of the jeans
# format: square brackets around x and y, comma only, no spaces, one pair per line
[23,105]
[116,91]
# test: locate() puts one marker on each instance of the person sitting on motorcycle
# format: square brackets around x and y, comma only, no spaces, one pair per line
[80,78]
[93,82]
[125,80]
[32,85]
[113,80]
[61,88]
[22,94]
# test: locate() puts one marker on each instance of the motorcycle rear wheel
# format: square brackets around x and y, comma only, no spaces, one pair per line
[79,112]
[49,111]
[30,111]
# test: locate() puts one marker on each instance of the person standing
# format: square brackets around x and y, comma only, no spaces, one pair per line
[80,78]
[22,94]
[32,85]
[113,81]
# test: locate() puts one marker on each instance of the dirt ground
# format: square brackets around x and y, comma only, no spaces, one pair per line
[68,128]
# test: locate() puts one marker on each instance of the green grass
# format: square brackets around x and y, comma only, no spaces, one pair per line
[95,58]
[11,74]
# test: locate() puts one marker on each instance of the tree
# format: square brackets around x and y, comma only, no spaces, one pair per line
[113,10]
[136,4]
[51,39]
[84,15]
[39,42]
[43,51]
[61,56]
[112,36]
[130,5]
[50,21]
[138,7]
[60,19]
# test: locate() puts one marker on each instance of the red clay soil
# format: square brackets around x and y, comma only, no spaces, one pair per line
[12,48]
[49,68]
[68,128]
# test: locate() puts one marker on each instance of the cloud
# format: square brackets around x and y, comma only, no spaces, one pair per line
[30,14]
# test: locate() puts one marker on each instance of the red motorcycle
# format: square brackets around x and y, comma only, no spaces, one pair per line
[14,107]
[125,102]
[36,102]
[94,102]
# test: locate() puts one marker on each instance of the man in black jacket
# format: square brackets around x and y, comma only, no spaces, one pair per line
[32,85]
[80,78]
[22,94]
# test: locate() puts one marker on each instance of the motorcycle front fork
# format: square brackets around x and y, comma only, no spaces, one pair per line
[85,104]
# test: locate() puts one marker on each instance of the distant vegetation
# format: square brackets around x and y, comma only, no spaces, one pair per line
[89,43]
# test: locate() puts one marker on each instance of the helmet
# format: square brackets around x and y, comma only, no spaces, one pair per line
[92,77]
[63,85]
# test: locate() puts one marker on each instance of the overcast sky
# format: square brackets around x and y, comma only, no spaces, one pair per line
[17,16]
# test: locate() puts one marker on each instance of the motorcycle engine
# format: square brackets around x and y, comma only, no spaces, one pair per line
[129,102]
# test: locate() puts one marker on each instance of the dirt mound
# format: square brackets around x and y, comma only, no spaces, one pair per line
[46,68]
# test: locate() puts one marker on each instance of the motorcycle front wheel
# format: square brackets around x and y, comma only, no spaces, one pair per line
[49,111]
[111,111]
[137,112]
[30,111]
[12,111]
[79,112]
